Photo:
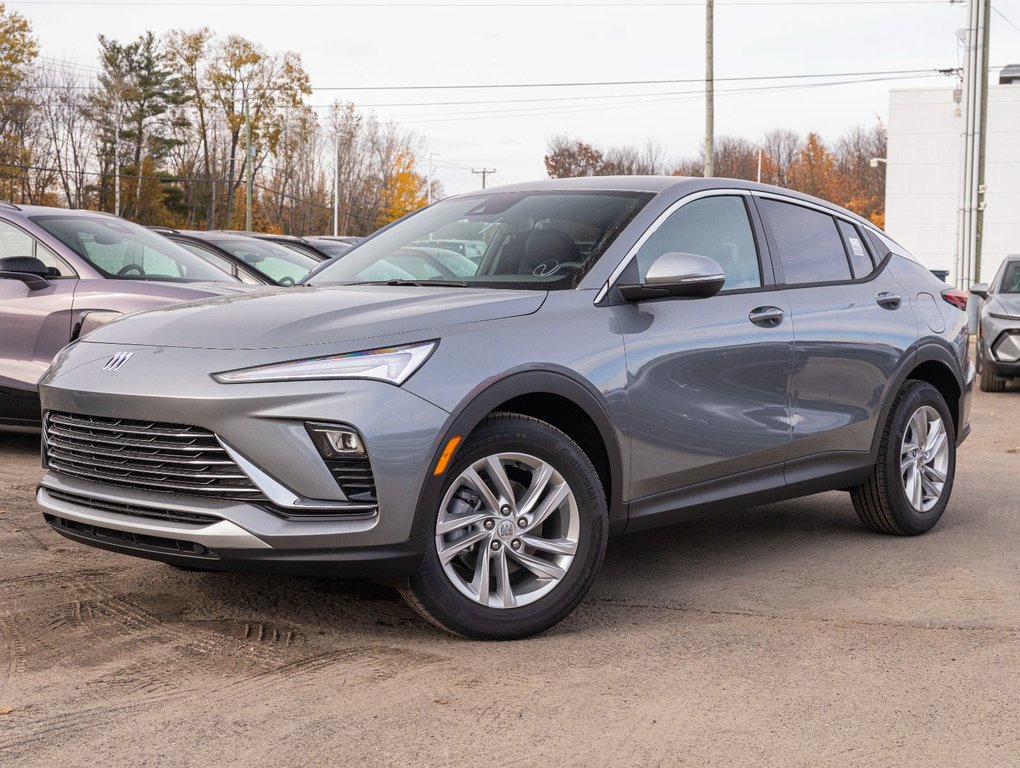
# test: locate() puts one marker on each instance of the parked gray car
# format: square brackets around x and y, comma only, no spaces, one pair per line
[629,353]
[998,336]
[63,273]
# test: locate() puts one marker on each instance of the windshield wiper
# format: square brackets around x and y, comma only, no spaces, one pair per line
[441,283]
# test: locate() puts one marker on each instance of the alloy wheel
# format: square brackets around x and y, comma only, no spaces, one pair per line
[507,530]
[924,458]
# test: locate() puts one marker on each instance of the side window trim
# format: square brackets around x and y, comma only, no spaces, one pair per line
[631,254]
[879,264]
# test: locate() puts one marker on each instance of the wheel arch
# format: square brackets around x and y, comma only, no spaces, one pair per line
[933,364]
[557,397]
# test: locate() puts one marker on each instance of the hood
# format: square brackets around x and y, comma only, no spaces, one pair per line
[300,317]
[1005,304]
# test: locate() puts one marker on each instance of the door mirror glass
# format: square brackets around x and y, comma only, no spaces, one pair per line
[679,275]
[980,289]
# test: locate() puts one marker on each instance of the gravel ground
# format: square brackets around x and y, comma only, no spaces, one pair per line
[783,635]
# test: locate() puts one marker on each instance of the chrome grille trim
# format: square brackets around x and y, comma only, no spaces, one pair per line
[146,455]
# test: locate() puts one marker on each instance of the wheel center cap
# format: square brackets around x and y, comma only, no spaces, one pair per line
[506,529]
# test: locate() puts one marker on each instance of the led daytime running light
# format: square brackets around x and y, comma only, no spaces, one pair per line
[392,364]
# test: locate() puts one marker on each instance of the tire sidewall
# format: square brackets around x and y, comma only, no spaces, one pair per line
[909,519]
[459,613]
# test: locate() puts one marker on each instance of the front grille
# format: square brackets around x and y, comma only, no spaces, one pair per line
[100,535]
[150,513]
[147,455]
[355,478]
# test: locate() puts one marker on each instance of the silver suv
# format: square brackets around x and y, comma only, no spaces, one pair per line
[630,352]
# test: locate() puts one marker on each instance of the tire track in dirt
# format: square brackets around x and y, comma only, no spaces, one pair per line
[15,643]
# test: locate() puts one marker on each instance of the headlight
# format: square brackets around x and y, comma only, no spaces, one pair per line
[392,364]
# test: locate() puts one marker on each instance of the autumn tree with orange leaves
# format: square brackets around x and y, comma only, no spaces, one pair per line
[405,190]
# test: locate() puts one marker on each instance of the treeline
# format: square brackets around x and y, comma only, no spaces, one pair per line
[843,172]
[170,116]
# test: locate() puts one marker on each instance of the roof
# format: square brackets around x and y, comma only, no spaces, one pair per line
[1009,74]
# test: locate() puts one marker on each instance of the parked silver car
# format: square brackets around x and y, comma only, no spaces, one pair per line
[63,273]
[998,336]
[629,352]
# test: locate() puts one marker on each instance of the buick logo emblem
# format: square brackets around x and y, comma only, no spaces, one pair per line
[506,528]
[116,362]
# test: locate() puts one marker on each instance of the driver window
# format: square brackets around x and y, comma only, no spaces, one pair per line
[717,227]
[18,243]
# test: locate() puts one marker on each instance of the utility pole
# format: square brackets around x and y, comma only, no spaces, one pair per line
[428,192]
[336,185]
[247,167]
[116,161]
[483,172]
[979,221]
[709,93]
[975,96]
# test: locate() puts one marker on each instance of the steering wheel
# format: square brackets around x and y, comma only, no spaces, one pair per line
[286,280]
[551,267]
[130,268]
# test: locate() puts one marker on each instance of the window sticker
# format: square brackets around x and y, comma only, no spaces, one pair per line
[855,244]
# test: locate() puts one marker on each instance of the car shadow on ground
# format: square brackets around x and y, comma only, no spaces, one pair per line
[687,563]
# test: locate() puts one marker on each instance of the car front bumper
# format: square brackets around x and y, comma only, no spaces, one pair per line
[303,523]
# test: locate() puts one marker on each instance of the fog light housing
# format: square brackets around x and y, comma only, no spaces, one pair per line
[336,440]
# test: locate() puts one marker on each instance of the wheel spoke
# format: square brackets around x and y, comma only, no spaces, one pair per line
[504,591]
[929,487]
[916,496]
[456,547]
[474,480]
[919,425]
[906,462]
[539,481]
[555,546]
[549,504]
[541,568]
[934,474]
[498,474]
[480,583]
[936,439]
[448,522]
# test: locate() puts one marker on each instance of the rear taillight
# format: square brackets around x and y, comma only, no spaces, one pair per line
[956,297]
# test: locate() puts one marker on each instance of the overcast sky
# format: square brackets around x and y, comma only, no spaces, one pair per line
[349,48]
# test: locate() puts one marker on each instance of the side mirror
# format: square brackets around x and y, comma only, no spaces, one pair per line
[27,269]
[980,289]
[679,275]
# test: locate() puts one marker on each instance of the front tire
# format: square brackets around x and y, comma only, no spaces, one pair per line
[909,488]
[518,533]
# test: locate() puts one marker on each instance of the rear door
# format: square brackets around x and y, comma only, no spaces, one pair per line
[852,326]
[707,389]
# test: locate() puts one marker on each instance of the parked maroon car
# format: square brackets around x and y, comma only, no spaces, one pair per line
[63,273]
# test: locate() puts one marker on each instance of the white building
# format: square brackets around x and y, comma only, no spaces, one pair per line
[922,192]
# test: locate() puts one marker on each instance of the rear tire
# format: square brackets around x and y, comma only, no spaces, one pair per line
[909,488]
[518,533]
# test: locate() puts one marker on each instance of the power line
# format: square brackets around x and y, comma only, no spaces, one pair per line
[472,5]
[1006,18]
[579,84]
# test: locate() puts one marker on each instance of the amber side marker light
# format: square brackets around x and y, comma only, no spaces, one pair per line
[444,460]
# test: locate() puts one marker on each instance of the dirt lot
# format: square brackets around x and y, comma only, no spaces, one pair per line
[785,635]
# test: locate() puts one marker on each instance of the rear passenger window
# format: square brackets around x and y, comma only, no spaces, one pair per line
[810,246]
[855,249]
[717,227]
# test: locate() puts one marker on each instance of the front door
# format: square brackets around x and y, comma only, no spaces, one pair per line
[707,389]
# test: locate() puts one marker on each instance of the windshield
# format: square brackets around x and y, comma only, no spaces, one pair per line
[1011,279]
[126,251]
[282,265]
[535,240]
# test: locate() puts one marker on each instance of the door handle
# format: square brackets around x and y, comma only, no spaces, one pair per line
[888,300]
[766,317]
